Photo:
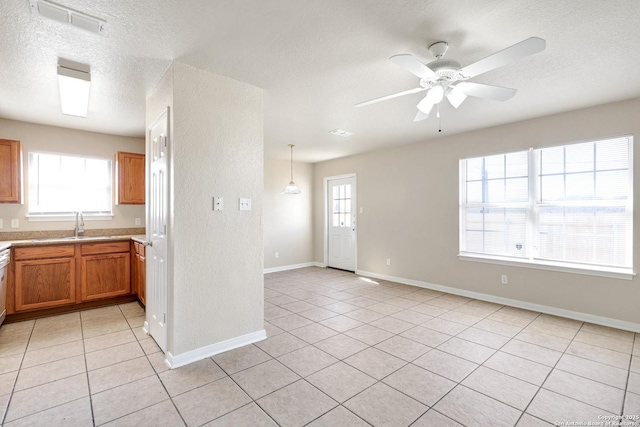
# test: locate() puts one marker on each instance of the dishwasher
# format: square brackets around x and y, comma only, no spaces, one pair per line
[4,273]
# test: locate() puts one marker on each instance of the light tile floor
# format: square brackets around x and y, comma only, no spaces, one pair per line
[342,351]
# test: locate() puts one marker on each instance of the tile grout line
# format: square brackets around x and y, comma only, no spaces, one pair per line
[154,373]
[86,368]
[24,355]
[459,383]
[626,389]
[15,381]
[549,374]
[252,399]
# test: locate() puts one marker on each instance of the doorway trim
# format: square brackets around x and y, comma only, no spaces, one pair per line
[325,187]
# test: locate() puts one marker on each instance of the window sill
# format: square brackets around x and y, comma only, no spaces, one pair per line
[49,218]
[611,272]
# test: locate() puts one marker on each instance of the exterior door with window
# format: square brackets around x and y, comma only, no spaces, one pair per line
[157,273]
[341,223]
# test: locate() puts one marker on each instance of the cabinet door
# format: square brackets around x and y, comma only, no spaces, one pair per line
[130,176]
[10,171]
[141,278]
[44,283]
[105,276]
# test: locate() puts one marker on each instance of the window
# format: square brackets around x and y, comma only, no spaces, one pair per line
[566,206]
[342,206]
[60,185]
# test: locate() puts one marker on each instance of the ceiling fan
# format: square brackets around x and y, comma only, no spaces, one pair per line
[445,77]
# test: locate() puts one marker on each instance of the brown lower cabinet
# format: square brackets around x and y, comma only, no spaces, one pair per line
[105,270]
[57,275]
[45,276]
[45,283]
[139,273]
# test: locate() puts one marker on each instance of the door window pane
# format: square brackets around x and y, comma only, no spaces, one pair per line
[341,206]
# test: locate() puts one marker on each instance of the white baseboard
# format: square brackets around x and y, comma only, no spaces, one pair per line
[213,349]
[292,267]
[584,317]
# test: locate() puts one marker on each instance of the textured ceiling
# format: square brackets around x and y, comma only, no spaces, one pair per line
[316,59]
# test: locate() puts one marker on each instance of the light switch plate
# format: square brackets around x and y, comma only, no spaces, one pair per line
[15,223]
[1,224]
[245,204]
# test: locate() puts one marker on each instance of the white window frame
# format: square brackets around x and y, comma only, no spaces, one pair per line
[532,211]
[34,216]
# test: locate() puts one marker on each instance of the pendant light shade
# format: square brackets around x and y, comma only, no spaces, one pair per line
[291,188]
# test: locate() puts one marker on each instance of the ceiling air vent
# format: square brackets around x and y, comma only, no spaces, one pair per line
[67,16]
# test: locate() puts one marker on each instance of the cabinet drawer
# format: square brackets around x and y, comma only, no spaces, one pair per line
[38,252]
[104,248]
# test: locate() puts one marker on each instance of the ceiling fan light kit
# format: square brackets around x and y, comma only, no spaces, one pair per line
[446,78]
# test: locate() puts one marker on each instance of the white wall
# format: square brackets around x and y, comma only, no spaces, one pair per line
[217,138]
[410,200]
[287,217]
[36,137]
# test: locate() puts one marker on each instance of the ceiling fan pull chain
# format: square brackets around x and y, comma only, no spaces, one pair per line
[439,119]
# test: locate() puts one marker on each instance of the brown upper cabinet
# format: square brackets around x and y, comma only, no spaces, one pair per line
[11,171]
[130,178]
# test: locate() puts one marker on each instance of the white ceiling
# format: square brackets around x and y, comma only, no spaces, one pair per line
[316,59]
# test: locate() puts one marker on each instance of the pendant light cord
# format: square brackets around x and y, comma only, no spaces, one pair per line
[291,146]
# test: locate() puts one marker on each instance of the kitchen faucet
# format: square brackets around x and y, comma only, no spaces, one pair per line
[79,230]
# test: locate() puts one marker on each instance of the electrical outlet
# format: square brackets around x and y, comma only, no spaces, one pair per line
[15,223]
[1,224]
[388,261]
[277,255]
[503,279]
[138,221]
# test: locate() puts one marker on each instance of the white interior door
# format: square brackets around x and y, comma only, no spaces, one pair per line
[157,288]
[341,223]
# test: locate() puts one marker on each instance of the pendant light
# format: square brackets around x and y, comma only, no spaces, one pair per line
[292,188]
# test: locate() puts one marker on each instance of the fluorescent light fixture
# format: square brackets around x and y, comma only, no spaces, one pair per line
[74,91]
[67,16]
[340,132]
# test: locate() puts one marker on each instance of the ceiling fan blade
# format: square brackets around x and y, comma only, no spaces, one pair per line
[455,97]
[420,116]
[425,105]
[412,65]
[393,95]
[478,90]
[504,57]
